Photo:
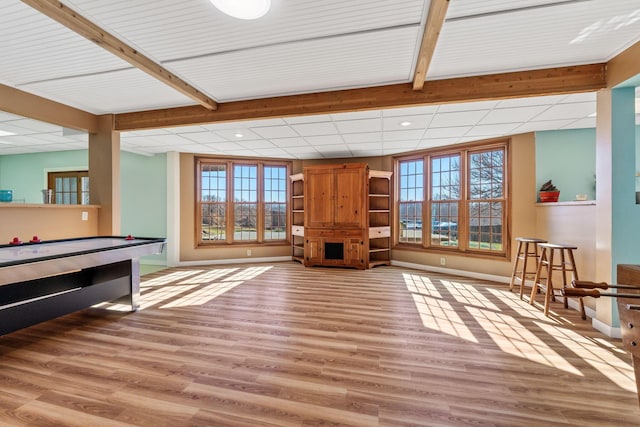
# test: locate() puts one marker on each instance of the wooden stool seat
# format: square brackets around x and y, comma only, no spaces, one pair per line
[527,249]
[555,257]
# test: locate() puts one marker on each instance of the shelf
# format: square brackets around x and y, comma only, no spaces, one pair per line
[378,250]
[380,174]
[379,211]
[298,246]
[297,197]
[378,195]
[297,210]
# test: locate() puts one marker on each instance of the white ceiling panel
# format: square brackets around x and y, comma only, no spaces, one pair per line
[186,28]
[400,135]
[118,91]
[203,137]
[406,122]
[359,126]
[319,141]
[567,111]
[275,131]
[492,130]
[357,138]
[512,115]
[288,142]
[462,118]
[306,46]
[377,58]
[448,132]
[314,129]
[36,48]
[564,34]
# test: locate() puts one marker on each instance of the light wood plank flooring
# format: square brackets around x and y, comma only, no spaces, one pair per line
[285,345]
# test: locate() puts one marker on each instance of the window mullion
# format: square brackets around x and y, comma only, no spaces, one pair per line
[260,208]
[230,208]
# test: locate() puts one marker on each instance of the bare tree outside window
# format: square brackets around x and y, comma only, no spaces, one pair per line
[467,205]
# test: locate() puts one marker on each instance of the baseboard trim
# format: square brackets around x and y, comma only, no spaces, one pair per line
[608,330]
[464,273]
[234,261]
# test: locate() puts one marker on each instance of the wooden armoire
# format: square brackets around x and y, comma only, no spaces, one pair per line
[341,216]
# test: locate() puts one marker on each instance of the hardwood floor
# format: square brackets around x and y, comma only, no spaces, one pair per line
[284,345]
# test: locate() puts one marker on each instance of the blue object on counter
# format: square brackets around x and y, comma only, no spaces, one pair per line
[6,195]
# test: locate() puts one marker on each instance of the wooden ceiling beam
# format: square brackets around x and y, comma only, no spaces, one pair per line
[26,104]
[433,26]
[81,25]
[552,81]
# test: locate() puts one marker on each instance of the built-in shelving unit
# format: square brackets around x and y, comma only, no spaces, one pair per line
[341,216]
[379,221]
[297,217]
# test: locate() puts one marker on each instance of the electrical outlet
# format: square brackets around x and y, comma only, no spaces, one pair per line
[85,216]
[248,252]
[443,261]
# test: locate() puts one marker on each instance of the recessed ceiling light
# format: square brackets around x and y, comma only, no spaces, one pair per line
[238,135]
[405,123]
[243,9]
[6,133]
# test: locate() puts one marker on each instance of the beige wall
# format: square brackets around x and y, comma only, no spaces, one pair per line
[523,217]
[188,249]
[48,222]
[523,197]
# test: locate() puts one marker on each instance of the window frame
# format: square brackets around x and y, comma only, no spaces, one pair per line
[78,175]
[464,203]
[230,203]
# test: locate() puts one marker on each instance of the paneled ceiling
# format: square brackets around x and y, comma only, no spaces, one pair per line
[305,46]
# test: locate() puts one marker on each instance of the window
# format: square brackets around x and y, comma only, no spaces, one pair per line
[411,200]
[241,201]
[465,208]
[69,188]
[275,201]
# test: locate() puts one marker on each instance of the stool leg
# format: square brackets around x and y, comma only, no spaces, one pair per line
[515,266]
[583,314]
[523,276]
[549,295]
[563,267]
[536,279]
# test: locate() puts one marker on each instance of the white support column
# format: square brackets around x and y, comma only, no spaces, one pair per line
[173,209]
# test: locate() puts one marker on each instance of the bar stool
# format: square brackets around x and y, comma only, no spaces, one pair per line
[555,257]
[527,248]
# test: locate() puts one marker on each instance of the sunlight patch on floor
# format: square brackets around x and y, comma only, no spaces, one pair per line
[439,315]
[608,364]
[515,339]
[468,295]
[159,295]
[202,295]
[168,278]
[522,308]
[207,276]
[421,285]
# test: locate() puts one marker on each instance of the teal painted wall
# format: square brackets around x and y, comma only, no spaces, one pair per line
[26,174]
[568,157]
[143,192]
[143,198]
[625,211]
